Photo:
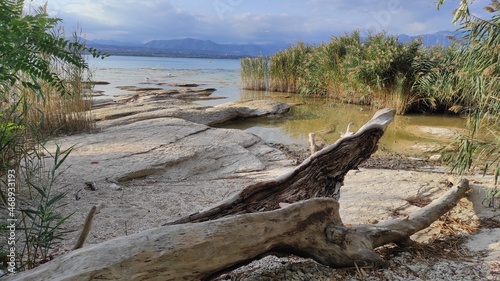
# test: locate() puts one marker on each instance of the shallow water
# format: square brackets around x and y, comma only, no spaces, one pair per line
[409,135]
[222,74]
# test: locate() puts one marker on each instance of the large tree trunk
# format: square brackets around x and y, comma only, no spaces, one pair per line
[320,175]
[195,251]
[252,225]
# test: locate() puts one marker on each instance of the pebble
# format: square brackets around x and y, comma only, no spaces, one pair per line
[114,186]
[435,158]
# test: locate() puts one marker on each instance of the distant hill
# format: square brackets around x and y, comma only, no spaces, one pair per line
[438,38]
[113,43]
[190,47]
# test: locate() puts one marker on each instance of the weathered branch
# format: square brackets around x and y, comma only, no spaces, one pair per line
[251,225]
[86,228]
[400,229]
[195,251]
[320,175]
[313,147]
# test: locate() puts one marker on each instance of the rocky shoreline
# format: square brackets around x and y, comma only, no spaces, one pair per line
[156,157]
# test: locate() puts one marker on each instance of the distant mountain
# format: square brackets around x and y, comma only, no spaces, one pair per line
[190,47]
[438,38]
[114,43]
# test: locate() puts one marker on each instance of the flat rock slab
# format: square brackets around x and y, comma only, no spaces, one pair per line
[152,133]
[149,157]
[150,106]
[171,148]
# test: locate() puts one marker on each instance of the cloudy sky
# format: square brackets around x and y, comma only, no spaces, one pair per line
[245,21]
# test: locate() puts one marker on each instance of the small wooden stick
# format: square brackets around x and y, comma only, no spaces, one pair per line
[312,143]
[86,228]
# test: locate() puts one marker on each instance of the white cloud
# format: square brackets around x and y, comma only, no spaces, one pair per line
[246,20]
[93,11]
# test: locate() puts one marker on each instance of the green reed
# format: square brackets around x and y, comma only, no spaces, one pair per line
[347,68]
[255,73]
[382,72]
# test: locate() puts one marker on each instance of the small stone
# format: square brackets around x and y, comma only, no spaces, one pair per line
[91,185]
[435,158]
[114,186]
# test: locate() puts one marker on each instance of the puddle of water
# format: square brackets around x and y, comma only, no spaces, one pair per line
[411,135]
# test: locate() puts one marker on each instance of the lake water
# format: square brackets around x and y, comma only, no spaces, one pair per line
[222,74]
[408,135]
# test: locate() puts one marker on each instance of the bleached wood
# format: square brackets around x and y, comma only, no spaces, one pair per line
[195,251]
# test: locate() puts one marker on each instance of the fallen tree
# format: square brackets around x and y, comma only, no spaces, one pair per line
[320,175]
[252,225]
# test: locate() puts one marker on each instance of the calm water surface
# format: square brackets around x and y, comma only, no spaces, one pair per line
[222,74]
[408,135]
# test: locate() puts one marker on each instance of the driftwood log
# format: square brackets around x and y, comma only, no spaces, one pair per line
[196,251]
[320,175]
[252,225]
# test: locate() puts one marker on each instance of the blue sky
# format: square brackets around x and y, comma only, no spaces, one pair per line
[251,21]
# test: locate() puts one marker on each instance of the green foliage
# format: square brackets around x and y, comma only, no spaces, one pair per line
[347,68]
[41,221]
[470,84]
[8,133]
[28,48]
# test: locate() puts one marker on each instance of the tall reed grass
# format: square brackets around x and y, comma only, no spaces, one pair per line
[67,113]
[255,73]
[377,70]
[286,68]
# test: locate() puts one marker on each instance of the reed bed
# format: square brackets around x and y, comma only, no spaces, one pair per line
[375,71]
[51,112]
[63,114]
